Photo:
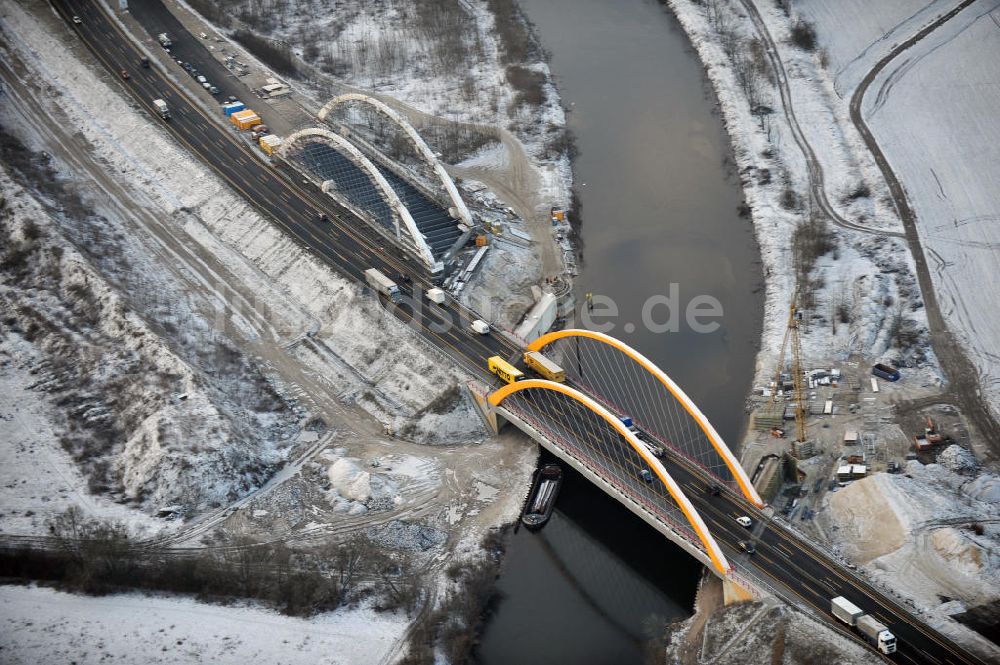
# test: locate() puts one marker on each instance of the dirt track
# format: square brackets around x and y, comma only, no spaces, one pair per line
[817,185]
[963,379]
[961,374]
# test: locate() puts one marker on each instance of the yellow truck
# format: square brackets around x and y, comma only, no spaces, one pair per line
[545,367]
[505,370]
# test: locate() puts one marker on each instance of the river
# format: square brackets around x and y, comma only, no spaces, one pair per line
[659,206]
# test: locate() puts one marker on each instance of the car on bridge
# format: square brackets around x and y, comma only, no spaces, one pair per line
[77,20]
[747,546]
[743,520]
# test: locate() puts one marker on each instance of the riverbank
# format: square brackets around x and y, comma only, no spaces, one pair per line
[827,223]
[821,215]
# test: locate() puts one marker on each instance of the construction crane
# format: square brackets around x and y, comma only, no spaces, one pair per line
[798,390]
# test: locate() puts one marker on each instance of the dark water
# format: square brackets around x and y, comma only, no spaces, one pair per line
[659,207]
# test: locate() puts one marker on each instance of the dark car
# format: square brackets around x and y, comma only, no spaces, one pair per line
[144,62]
[747,546]
[125,75]
[716,490]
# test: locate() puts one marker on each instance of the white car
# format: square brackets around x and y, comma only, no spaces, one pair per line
[743,520]
[77,20]
[480,326]
[201,79]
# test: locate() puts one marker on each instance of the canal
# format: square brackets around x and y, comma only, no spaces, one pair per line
[660,229]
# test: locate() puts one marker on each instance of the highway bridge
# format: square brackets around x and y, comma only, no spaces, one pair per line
[578,420]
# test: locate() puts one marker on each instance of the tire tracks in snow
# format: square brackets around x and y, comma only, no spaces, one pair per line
[817,185]
[961,373]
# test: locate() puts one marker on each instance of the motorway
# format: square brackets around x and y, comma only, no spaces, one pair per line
[783,559]
[295,207]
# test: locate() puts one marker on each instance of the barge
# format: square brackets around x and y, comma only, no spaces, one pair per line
[543,495]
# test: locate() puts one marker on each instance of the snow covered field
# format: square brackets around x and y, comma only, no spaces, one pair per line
[45,626]
[933,112]
[869,265]
[935,115]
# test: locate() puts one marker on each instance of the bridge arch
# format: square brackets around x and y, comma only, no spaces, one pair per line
[720,447]
[421,147]
[389,195]
[690,513]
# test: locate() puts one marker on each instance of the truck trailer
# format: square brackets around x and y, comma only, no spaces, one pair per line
[378,281]
[874,631]
[544,366]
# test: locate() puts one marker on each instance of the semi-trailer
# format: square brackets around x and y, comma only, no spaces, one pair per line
[378,281]
[871,629]
[544,366]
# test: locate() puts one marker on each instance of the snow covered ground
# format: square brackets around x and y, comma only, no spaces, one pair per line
[45,626]
[760,632]
[916,534]
[875,28]
[452,72]
[867,277]
[946,91]
[174,247]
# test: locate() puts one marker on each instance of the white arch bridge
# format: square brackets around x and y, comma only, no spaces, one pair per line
[385,195]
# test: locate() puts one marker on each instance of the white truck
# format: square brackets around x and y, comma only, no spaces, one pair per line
[162,109]
[378,281]
[874,631]
[436,295]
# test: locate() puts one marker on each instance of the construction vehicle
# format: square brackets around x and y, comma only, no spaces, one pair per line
[931,436]
[544,366]
[874,631]
[378,281]
[504,369]
[777,433]
[162,109]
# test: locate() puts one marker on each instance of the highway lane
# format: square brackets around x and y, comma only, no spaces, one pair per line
[787,560]
[341,244]
[782,559]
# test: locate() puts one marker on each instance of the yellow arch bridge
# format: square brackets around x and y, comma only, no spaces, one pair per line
[669,451]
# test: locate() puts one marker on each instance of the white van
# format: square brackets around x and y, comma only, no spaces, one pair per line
[480,326]
[743,520]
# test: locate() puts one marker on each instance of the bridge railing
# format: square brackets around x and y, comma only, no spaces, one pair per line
[675,525]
